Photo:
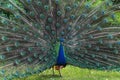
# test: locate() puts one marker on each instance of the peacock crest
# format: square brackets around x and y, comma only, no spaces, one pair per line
[38,34]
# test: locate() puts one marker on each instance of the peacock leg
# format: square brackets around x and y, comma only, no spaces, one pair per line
[53,71]
[60,73]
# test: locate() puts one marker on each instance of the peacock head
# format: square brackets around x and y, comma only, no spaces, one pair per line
[61,39]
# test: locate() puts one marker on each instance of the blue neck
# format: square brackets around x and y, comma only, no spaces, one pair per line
[61,57]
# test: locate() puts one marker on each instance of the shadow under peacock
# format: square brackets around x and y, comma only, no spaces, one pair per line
[42,34]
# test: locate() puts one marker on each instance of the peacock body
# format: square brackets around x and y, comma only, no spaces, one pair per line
[38,34]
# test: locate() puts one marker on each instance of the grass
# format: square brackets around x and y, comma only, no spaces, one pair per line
[75,73]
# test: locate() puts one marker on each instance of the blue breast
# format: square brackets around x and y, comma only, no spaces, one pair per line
[61,56]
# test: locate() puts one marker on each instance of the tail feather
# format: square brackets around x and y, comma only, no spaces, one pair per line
[29,34]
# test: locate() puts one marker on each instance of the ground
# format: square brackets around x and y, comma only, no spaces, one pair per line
[75,73]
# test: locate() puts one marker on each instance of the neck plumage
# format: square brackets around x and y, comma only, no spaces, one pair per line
[61,61]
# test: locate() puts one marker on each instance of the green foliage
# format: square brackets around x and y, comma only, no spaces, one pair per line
[117,21]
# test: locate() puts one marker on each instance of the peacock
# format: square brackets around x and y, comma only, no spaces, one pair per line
[36,35]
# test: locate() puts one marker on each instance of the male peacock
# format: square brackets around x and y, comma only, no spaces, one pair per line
[40,34]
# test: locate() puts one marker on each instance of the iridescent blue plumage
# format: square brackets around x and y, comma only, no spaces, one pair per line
[61,56]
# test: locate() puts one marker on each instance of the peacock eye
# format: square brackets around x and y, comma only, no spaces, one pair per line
[53,32]
[29,1]
[65,20]
[86,51]
[97,48]
[39,3]
[8,49]
[30,49]
[36,55]
[105,20]
[10,6]
[99,28]
[14,29]
[46,37]
[32,13]
[95,17]
[110,45]
[4,21]
[77,27]
[25,28]
[116,51]
[30,59]
[17,61]
[83,15]
[58,25]
[113,16]
[110,36]
[88,26]
[59,13]
[79,36]
[46,7]
[2,72]
[4,38]
[50,20]
[2,57]
[90,36]
[36,35]
[42,16]
[93,56]
[68,8]
[70,37]
[23,53]
[62,33]
[75,5]
[108,3]
[17,44]
[26,38]
[38,44]
[47,27]
[103,12]
[17,16]
[72,17]
[37,26]
[87,6]
[69,28]
[118,42]
[89,45]
[57,1]
[82,55]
